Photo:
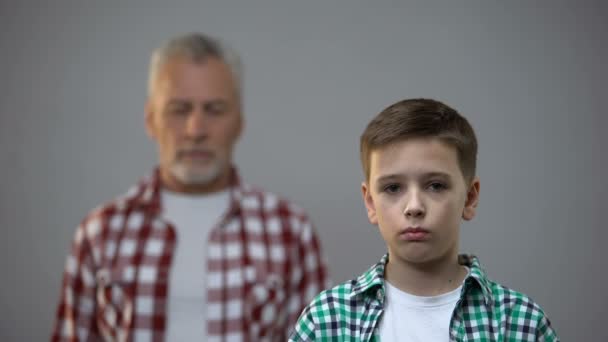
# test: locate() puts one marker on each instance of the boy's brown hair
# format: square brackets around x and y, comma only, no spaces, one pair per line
[421,118]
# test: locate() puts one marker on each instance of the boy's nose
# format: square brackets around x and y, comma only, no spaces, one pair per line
[414,212]
[414,207]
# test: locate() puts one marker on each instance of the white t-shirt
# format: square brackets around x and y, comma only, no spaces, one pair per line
[193,217]
[409,318]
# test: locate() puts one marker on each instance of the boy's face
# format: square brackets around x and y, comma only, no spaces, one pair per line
[417,195]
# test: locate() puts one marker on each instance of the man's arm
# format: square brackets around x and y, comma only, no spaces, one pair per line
[75,319]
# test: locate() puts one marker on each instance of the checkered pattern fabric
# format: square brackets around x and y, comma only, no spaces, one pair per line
[486,311]
[264,265]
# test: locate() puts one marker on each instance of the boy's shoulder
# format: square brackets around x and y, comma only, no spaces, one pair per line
[345,311]
[507,296]
[517,308]
[338,294]
[353,294]
[492,292]
[514,311]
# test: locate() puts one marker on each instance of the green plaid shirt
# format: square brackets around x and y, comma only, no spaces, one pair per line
[486,311]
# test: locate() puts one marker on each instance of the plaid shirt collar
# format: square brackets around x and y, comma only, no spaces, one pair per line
[369,282]
[147,195]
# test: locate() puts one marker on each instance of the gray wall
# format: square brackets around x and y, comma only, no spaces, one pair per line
[531,77]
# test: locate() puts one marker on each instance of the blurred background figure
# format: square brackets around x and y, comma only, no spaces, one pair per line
[191,253]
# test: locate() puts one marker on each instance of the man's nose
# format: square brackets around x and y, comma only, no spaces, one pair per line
[196,126]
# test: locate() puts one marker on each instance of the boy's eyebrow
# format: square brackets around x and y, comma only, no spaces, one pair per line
[387,178]
[396,176]
[436,174]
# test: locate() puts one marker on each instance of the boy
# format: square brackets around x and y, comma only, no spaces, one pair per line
[419,161]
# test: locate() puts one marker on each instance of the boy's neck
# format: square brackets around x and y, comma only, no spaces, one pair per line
[428,279]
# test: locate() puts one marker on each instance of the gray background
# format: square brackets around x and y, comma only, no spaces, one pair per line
[531,77]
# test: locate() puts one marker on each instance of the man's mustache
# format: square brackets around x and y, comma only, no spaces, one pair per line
[195,151]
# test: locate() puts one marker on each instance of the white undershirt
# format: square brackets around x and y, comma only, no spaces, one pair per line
[409,318]
[193,217]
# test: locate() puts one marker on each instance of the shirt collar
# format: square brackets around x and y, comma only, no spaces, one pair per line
[477,275]
[373,278]
[146,194]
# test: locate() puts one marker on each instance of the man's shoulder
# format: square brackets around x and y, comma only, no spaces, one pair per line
[255,198]
[120,203]
[115,211]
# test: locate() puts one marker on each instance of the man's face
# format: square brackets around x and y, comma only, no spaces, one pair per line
[194,115]
[417,195]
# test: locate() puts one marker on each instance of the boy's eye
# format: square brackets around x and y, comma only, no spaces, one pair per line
[392,188]
[437,186]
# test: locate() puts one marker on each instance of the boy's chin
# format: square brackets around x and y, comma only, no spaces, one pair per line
[420,259]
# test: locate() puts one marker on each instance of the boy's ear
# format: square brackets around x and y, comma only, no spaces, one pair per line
[369,203]
[470,205]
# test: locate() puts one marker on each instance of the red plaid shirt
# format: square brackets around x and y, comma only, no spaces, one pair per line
[264,265]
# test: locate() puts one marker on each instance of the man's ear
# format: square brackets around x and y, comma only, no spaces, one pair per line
[149,120]
[470,205]
[241,125]
[369,203]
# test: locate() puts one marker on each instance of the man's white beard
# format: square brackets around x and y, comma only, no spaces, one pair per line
[196,175]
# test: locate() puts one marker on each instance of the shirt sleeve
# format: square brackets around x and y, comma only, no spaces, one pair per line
[544,331]
[75,320]
[305,327]
[309,274]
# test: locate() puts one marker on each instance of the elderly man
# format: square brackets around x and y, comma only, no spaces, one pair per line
[191,253]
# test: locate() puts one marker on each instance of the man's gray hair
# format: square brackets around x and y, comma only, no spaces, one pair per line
[196,47]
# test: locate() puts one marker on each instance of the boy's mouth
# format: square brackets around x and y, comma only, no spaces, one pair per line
[415,234]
